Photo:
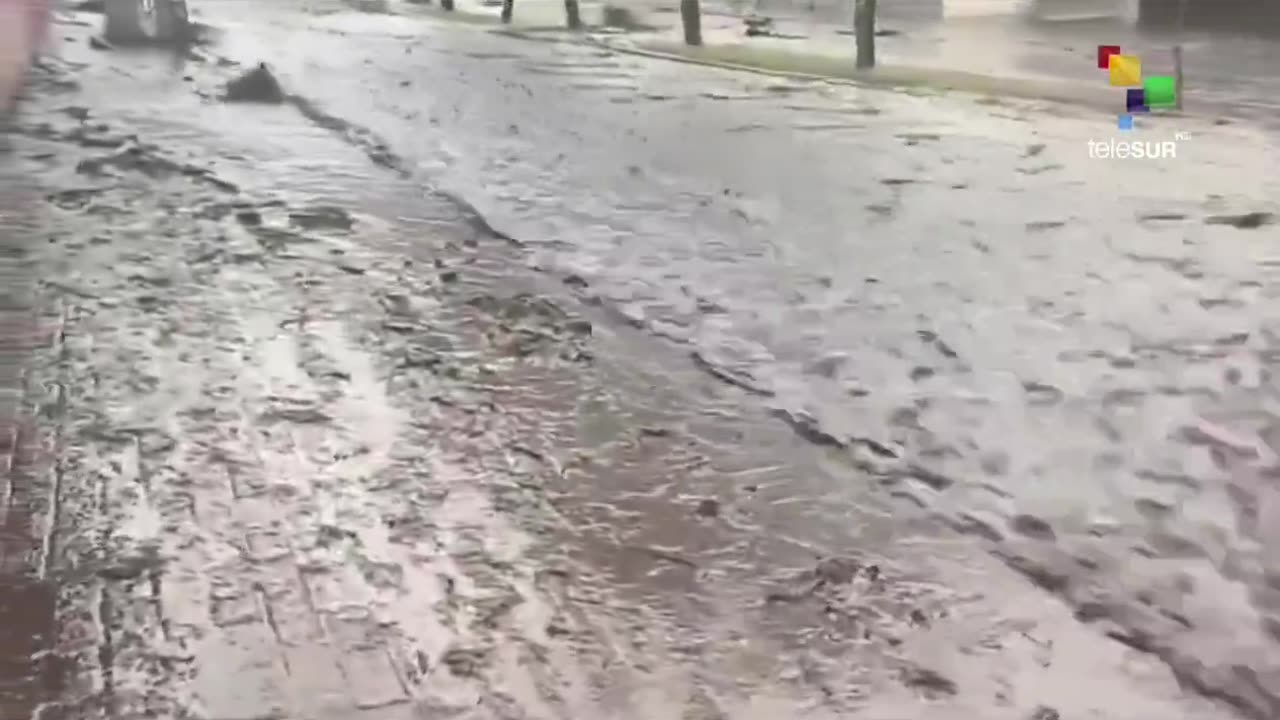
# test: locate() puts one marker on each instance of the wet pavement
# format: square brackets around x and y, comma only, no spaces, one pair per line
[463,384]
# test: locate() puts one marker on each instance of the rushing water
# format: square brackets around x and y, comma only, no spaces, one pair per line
[874,315]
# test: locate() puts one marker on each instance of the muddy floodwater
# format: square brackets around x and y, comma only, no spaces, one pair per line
[494,378]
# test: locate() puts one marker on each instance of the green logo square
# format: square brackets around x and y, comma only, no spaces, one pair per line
[1161,91]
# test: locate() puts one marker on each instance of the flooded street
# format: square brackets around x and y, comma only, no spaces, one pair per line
[497,378]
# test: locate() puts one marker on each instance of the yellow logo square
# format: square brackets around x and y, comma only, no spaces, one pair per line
[1125,71]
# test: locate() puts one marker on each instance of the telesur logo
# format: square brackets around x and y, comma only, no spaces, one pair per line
[1142,95]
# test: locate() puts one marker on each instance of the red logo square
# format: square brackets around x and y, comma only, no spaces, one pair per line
[1104,55]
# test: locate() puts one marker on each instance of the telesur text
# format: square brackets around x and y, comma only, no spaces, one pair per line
[1133,149]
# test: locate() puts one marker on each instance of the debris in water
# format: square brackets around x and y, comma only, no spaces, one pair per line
[759,26]
[836,570]
[807,427]
[921,372]
[620,18]
[322,218]
[258,85]
[708,508]
[1162,216]
[738,379]
[929,681]
[827,366]
[664,555]
[1032,527]
[1246,221]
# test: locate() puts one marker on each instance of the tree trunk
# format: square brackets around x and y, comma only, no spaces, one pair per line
[864,29]
[1177,77]
[172,22]
[572,14]
[1177,54]
[691,16]
[508,7]
[123,23]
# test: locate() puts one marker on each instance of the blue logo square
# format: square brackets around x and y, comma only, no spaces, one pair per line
[1126,122]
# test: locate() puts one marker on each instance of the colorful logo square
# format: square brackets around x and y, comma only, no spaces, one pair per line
[1161,91]
[1142,95]
[1135,100]
[1125,71]
[1104,55]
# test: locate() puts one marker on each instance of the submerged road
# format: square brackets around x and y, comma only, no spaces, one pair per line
[493,378]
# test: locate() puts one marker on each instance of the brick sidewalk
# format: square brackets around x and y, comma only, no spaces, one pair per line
[28,678]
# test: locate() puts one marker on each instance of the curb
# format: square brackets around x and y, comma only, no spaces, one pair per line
[675,57]
[561,35]
[555,34]
[867,81]
[672,57]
